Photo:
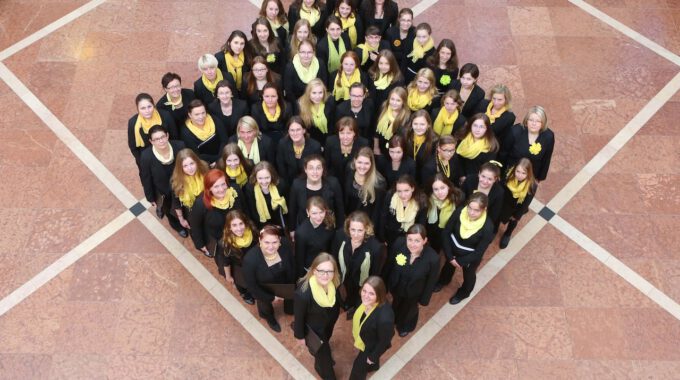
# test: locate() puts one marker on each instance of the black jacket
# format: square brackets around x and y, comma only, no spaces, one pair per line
[398,45]
[377,332]
[294,87]
[415,280]
[502,125]
[496,193]
[310,315]
[336,162]
[275,130]
[204,94]
[208,224]
[277,216]
[365,118]
[516,146]
[471,105]
[257,273]
[178,114]
[466,251]
[155,176]
[210,149]
[166,120]
[239,109]
[384,164]
[288,166]
[342,246]
[323,50]
[264,146]
[330,191]
[309,242]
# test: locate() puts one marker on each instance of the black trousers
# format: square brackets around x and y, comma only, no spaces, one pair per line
[405,313]
[469,279]
[353,297]
[323,362]
[266,309]
[165,203]
[361,368]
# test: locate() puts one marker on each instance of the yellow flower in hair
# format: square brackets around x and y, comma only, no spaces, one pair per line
[445,79]
[535,148]
[271,58]
[401,259]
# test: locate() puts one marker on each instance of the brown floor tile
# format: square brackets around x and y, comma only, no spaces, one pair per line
[78,366]
[597,333]
[530,21]
[544,369]
[87,327]
[99,277]
[24,366]
[604,369]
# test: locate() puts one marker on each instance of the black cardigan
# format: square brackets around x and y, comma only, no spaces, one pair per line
[205,95]
[166,120]
[179,114]
[330,191]
[354,259]
[471,105]
[277,217]
[390,14]
[239,109]
[397,45]
[468,251]
[365,118]
[275,130]
[212,153]
[516,146]
[310,315]
[155,175]
[496,193]
[257,273]
[288,166]
[502,125]
[264,145]
[432,166]
[309,242]
[323,50]
[208,225]
[336,162]
[377,332]
[294,87]
[416,280]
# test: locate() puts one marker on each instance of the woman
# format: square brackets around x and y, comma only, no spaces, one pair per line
[533,140]
[293,149]
[420,139]
[317,110]
[422,91]
[226,108]
[352,26]
[330,48]
[275,14]
[265,44]
[254,145]
[465,239]
[418,52]
[487,182]
[471,94]
[444,200]
[402,35]
[385,76]
[341,148]
[313,11]
[239,238]
[359,108]
[348,74]
[265,196]
[269,263]
[372,328]
[380,13]
[317,309]
[186,183]
[444,162]
[232,58]
[211,75]
[364,186]
[301,70]
[498,109]
[156,166]
[209,211]
[444,64]
[258,76]
[394,114]
[477,145]
[368,51]
[235,165]
[301,31]
[520,187]
[447,118]
[396,163]
[202,133]
[272,113]
[314,235]
[412,277]
[404,206]
[139,125]
[314,182]
[176,98]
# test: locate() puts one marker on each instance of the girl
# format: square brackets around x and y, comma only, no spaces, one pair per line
[385,75]
[380,13]
[265,44]
[301,70]
[477,145]
[471,94]
[255,146]
[265,195]
[314,235]
[447,118]
[404,207]
[444,162]
[402,35]
[444,200]
[312,11]
[235,165]
[139,125]
[186,183]
[272,113]
[364,186]
[444,64]
[273,11]
[341,148]
[420,139]
[227,108]
[487,182]
[294,148]
[352,26]
[317,110]
[520,187]
[258,76]
[239,238]
[420,49]
[232,58]
[498,109]
[301,31]
[394,114]
[330,48]
[422,91]
[360,108]
[396,163]
[348,74]
[202,133]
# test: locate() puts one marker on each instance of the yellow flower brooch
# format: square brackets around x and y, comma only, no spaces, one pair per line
[535,148]
[445,79]
[271,58]
[401,259]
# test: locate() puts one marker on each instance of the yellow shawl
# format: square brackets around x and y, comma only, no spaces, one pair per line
[471,148]
[404,215]
[443,124]
[211,85]
[306,74]
[494,116]
[235,67]
[142,124]
[193,185]
[357,323]
[320,296]
[227,202]
[417,101]
[205,132]
[470,227]
[261,202]
[341,92]
[441,210]
[420,50]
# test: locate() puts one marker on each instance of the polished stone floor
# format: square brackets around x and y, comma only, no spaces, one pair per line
[90,290]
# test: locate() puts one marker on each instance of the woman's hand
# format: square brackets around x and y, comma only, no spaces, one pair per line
[184,223]
[229,278]
[455,263]
[292,235]
[277,299]
[301,342]
[369,361]
[204,250]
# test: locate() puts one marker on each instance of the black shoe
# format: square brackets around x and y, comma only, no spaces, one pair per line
[403,333]
[505,240]
[274,325]
[247,298]
[456,299]
[207,254]
[159,212]
[183,233]
[437,288]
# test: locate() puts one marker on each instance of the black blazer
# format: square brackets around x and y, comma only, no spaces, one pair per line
[288,166]
[166,120]
[205,95]
[279,57]
[365,118]
[493,209]
[155,176]
[468,251]
[330,191]
[336,162]
[368,61]
[415,280]
[310,315]
[277,216]
[264,145]
[318,29]
[309,242]
[502,125]
[354,203]
[354,259]
[377,332]
[294,87]
[432,166]
[323,50]
[257,273]
[444,78]
[384,164]
[329,112]
[399,45]
[222,65]
[208,225]
[239,109]
[275,130]
[516,146]
[178,114]
[211,154]
[471,105]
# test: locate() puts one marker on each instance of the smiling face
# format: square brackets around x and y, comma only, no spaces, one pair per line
[302,33]
[314,170]
[444,55]
[440,190]
[316,215]
[237,227]
[334,30]
[198,116]
[233,161]
[520,173]
[534,123]
[237,44]
[405,22]
[368,296]
[362,164]
[262,33]
[450,105]
[498,100]
[145,108]
[357,231]
[346,136]
[306,54]
[224,95]
[272,10]
[415,243]
[189,166]
[270,244]
[383,65]
[396,103]
[159,140]
[356,97]
[422,84]
[246,134]
[264,178]
[316,95]
[174,88]
[260,71]
[478,129]
[210,73]
[324,273]
[486,179]
[344,10]
[219,188]
[348,65]
[373,40]
[296,133]
[419,126]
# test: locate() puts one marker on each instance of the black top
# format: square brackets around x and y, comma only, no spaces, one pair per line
[336,162]
[257,273]
[367,60]
[264,146]
[329,112]
[370,250]
[384,164]
[208,224]
[294,87]
[493,209]
[433,166]
[178,114]
[502,125]
[222,64]
[323,50]
[155,175]
[513,209]
[310,315]
[390,228]
[364,118]
[275,61]
[516,146]
[471,105]
[444,78]
[333,77]
[288,166]
[354,203]
[210,149]
[412,280]
[309,242]
[390,13]
[470,166]
[458,124]
[377,332]
[380,96]
[276,216]
[239,109]
[166,120]
[465,251]
[410,68]
[318,29]
[330,191]
[231,255]
[205,95]
[275,130]
[399,45]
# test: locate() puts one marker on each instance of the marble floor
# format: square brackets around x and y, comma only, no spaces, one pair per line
[93,286]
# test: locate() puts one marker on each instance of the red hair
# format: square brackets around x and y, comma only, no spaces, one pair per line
[209,180]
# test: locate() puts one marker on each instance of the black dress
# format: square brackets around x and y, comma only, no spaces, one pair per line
[309,242]
[364,118]
[289,166]
[178,114]
[239,108]
[376,333]
[350,262]
[336,162]
[517,146]
[330,191]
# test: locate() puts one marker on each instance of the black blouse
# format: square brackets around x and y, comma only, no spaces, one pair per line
[364,118]
[155,175]
[465,251]
[309,242]
[166,120]
[178,114]
[294,87]
[517,146]
[384,164]
[330,191]
[208,224]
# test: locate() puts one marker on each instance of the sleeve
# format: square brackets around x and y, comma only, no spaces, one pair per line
[131,141]
[250,273]
[385,333]
[281,161]
[147,179]
[376,249]
[293,207]
[240,201]
[524,207]
[288,82]
[446,236]
[339,204]
[545,165]
[301,302]
[196,223]
[482,245]
[432,277]
[169,121]
[300,248]
[221,131]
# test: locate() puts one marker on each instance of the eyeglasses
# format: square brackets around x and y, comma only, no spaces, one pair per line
[324,272]
[158,139]
[259,70]
[173,87]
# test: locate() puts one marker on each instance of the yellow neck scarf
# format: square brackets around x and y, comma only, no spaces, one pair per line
[417,143]
[164,160]
[417,101]
[341,92]
[349,27]
[383,81]
[494,116]
[227,202]
[443,124]
[261,202]
[275,25]
[211,85]
[470,227]
[235,66]
[334,54]
[319,118]
[446,168]
[254,154]
[272,118]
[239,174]
[193,185]
[441,210]
[420,50]
[519,189]
[245,240]
[320,296]
[357,324]
[310,14]
[384,127]
[405,215]
[306,74]
[365,49]
[144,124]
[470,149]
[202,133]
[174,105]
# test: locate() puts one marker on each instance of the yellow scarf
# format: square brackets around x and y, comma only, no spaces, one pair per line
[239,174]
[174,105]
[310,14]
[342,92]
[143,124]
[470,149]
[272,118]
[519,189]
[320,296]
[417,143]
[261,202]
[306,74]
[383,81]
[245,240]
[334,54]
[417,101]
[348,25]
[441,210]
[357,323]
[406,216]
[446,168]
[420,50]
[235,67]
[211,85]
[275,25]
[227,202]
[202,133]
[443,124]
[254,154]
[384,127]
[494,116]
[365,50]
[470,227]
[319,117]
[193,185]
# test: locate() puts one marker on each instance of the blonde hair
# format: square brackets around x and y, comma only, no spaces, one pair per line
[294,43]
[405,112]
[321,258]
[502,89]
[363,218]
[305,101]
[317,201]
[540,111]
[525,164]
[373,177]
[206,61]
[426,74]
[250,122]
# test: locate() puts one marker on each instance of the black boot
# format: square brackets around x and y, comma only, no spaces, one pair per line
[505,239]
